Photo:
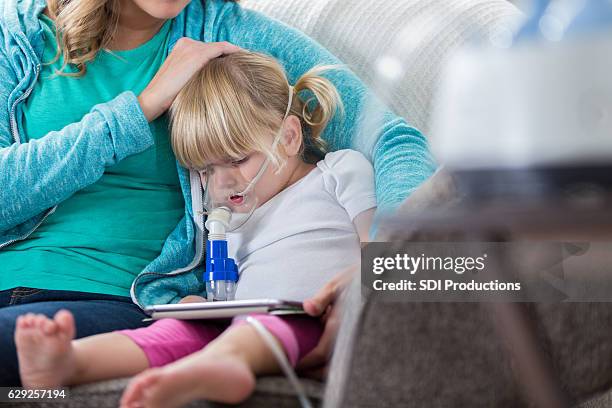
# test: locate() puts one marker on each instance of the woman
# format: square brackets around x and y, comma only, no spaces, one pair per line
[91,195]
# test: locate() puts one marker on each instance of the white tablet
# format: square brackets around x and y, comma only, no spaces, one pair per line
[221,310]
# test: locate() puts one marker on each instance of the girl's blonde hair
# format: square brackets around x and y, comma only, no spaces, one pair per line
[226,107]
[83,28]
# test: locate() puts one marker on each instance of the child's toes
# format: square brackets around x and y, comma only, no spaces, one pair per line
[65,323]
[134,394]
[22,323]
[47,326]
[29,319]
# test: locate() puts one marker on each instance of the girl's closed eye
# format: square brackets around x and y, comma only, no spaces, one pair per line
[240,161]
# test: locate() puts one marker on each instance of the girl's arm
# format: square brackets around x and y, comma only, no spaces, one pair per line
[399,152]
[192,299]
[363,223]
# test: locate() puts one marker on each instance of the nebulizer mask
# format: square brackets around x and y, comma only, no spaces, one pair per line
[225,186]
[229,202]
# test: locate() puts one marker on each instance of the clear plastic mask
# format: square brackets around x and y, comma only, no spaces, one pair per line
[226,185]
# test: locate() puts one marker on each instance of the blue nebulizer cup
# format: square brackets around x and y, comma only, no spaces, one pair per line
[221,274]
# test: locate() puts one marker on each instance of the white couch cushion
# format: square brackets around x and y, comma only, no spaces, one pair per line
[421,33]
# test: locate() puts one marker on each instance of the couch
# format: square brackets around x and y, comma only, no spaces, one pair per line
[368,36]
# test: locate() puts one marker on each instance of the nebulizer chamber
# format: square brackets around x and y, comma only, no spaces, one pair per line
[221,275]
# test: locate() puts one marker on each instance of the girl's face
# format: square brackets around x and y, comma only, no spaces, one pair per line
[227,178]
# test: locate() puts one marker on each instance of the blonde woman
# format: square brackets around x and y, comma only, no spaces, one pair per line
[90,193]
[241,124]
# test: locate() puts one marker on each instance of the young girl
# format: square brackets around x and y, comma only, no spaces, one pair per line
[255,139]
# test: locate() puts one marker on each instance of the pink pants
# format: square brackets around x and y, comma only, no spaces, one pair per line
[168,340]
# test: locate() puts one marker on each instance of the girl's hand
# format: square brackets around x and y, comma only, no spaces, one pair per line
[322,304]
[187,57]
[192,299]
[324,298]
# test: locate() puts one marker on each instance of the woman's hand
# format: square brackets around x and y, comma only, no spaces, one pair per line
[322,304]
[187,57]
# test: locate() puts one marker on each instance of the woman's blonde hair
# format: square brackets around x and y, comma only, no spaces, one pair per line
[83,28]
[226,107]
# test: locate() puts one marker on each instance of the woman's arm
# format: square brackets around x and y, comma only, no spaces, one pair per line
[41,173]
[38,174]
[398,152]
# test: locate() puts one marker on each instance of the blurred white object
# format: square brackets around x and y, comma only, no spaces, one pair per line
[536,104]
[531,105]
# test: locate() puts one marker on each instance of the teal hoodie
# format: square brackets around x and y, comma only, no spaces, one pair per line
[37,175]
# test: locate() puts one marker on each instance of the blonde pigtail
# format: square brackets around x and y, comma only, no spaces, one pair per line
[322,103]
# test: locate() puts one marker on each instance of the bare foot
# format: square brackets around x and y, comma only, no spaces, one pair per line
[44,349]
[198,376]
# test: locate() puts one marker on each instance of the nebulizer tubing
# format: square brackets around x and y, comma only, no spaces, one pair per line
[280,356]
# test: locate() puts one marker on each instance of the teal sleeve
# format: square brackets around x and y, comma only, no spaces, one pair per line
[398,152]
[41,173]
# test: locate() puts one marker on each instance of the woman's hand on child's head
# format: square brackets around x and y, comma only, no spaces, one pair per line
[187,57]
